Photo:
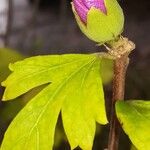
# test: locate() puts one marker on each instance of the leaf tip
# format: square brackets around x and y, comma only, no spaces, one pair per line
[4,98]
[3,84]
[106,121]
[103,121]
[11,66]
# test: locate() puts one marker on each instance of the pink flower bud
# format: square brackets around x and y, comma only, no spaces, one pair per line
[100,20]
[82,7]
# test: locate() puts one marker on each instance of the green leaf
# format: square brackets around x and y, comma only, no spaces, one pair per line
[7,56]
[135,119]
[133,147]
[75,89]
[106,70]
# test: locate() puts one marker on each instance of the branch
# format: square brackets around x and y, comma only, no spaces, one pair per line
[120,67]
[120,49]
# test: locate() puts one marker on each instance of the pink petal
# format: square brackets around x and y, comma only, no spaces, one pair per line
[81,10]
[95,3]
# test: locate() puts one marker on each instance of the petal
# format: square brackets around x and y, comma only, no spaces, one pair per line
[81,10]
[95,3]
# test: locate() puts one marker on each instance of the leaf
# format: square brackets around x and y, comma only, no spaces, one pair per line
[106,70]
[135,119]
[133,147]
[7,56]
[75,89]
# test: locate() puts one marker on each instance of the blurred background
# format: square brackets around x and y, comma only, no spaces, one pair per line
[38,27]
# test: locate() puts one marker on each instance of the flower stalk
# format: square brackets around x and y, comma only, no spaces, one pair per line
[120,67]
[121,49]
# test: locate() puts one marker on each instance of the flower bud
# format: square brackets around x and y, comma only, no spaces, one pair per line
[100,20]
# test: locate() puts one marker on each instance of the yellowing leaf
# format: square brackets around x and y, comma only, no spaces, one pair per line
[135,119]
[75,88]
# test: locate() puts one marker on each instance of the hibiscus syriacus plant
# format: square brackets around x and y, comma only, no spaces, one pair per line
[73,87]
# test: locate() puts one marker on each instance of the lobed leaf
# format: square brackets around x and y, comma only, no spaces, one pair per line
[75,89]
[135,119]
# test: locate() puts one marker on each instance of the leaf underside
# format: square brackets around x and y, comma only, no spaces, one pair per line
[135,119]
[75,89]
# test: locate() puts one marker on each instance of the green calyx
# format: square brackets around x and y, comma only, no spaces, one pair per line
[102,27]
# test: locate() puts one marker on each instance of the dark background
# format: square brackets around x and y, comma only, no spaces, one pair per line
[47,27]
